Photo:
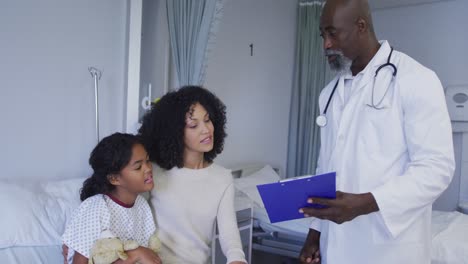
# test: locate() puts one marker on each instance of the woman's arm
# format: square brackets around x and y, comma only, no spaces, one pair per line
[229,236]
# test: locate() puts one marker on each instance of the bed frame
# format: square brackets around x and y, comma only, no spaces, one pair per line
[277,243]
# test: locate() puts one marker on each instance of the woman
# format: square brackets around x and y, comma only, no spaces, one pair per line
[184,132]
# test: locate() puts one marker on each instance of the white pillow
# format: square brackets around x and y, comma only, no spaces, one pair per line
[35,214]
[24,221]
[61,197]
[248,185]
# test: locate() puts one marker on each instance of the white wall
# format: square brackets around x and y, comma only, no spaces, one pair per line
[256,89]
[47,93]
[154,50]
[434,34]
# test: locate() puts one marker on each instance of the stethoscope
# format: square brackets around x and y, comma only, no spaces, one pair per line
[322,119]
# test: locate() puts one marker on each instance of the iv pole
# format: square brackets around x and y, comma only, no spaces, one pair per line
[96,74]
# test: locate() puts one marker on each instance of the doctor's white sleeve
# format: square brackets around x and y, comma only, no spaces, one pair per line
[229,236]
[428,134]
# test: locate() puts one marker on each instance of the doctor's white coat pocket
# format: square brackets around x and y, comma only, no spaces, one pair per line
[381,235]
[382,147]
[382,128]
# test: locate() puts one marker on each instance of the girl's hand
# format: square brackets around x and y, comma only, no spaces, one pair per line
[65,253]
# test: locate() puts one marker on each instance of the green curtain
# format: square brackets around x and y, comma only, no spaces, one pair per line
[310,77]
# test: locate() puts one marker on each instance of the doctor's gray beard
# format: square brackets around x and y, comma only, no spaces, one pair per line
[341,62]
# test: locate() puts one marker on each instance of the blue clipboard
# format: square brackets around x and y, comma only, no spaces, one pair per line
[283,199]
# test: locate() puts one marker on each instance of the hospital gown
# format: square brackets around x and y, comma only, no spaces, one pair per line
[100,213]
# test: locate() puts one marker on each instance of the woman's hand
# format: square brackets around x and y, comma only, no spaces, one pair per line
[142,255]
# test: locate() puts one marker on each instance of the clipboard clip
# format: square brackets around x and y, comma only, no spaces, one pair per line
[295,178]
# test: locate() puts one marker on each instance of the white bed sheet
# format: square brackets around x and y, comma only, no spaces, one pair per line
[30,255]
[449,238]
[449,234]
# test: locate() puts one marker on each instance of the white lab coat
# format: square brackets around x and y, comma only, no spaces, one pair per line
[402,154]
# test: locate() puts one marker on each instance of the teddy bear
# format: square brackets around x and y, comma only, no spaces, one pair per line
[109,248]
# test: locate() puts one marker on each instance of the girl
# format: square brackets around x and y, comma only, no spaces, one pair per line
[111,202]
[184,132]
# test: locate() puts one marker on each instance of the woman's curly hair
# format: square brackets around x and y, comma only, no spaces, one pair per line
[162,131]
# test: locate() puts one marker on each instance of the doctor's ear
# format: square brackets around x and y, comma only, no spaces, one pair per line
[114,179]
[362,25]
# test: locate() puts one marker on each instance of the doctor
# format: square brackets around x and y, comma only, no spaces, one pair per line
[388,137]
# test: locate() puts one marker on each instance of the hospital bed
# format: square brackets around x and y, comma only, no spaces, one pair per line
[285,239]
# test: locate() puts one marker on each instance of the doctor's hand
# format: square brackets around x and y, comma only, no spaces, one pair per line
[310,252]
[344,208]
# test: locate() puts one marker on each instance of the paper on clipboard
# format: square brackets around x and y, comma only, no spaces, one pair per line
[283,199]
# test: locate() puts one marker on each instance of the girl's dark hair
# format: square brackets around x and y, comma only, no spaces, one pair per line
[163,126]
[109,157]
